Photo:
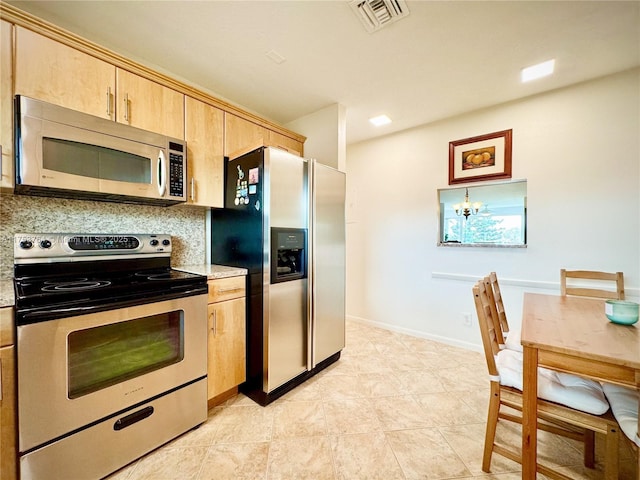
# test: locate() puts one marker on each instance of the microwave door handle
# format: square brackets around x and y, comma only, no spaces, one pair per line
[162,168]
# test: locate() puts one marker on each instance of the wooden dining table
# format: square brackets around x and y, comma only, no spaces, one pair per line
[573,335]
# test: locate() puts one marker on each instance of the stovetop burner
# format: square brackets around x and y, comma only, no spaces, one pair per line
[154,276]
[74,285]
[95,275]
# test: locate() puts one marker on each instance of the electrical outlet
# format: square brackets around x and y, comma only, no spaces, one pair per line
[466,319]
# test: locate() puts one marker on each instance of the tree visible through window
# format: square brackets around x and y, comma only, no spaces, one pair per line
[498,228]
[500,221]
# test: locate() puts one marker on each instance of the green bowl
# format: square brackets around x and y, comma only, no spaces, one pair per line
[621,311]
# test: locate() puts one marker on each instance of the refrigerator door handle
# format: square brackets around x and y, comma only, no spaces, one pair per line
[311,307]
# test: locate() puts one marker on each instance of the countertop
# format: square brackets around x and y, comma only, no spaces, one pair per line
[212,272]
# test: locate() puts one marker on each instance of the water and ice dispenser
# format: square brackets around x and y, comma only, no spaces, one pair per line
[288,254]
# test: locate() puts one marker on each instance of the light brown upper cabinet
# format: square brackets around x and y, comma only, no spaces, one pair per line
[53,72]
[56,73]
[204,133]
[149,105]
[286,143]
[57,67]
[242,135]
[6,109]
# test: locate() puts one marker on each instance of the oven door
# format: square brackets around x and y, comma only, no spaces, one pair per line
[75,371]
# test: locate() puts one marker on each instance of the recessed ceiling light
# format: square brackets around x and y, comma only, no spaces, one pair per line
[537,71]
[380,120]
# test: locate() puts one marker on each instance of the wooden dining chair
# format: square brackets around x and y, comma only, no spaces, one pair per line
[595,280]
[491,280]
[510,337]
[625,406]
[562,401]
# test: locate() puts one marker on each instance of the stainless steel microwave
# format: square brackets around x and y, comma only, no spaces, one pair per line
[65,153]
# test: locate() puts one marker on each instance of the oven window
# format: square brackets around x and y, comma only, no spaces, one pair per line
[93,161]
[103,356]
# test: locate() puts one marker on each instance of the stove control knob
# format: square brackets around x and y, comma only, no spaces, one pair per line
[153,242]
[45,244]
[26,244]
[165,242]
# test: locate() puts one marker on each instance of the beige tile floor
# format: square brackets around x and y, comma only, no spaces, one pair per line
[393,407]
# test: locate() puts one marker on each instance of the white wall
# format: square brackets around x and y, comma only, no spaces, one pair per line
[326,135]
[578,148]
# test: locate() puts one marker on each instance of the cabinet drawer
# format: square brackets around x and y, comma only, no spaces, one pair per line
[226,288]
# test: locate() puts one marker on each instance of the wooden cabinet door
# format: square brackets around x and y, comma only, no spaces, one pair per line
[8,454]
[149,105]
[204,133]
[6,107]
[286,143]
[226,346]
[50,71]
[241,136]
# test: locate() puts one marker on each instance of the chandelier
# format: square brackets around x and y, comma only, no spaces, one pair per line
[467,208]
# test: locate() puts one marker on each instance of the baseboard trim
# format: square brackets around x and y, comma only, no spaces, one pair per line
[416,333]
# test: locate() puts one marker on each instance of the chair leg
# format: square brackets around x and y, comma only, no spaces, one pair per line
[589,448]
[612,441]
[492,423]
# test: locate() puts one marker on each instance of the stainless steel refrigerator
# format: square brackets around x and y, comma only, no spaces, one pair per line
[284,221]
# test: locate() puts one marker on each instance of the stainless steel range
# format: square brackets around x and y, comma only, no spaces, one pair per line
[111,347]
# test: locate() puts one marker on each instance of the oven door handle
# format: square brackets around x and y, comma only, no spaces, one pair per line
[132,418]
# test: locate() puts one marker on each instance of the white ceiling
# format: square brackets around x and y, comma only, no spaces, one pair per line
[446,58]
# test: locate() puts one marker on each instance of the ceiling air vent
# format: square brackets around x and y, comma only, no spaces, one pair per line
[375,14]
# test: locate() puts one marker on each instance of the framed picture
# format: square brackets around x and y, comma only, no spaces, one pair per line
[475,159]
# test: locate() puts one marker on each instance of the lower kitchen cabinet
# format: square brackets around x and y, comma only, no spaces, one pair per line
[8,453]
[226,338]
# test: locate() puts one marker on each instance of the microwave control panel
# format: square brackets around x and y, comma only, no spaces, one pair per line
[177,167]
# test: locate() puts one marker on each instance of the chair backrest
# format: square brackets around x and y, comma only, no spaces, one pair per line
[488,330]
[493,289]
[596,279]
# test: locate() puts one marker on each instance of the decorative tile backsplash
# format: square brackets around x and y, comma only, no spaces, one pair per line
[25,214]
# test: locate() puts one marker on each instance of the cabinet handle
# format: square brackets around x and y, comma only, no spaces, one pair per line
[215,323]
[0,380]
[126,107]
[193,189]
[109,102]
[227,290]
